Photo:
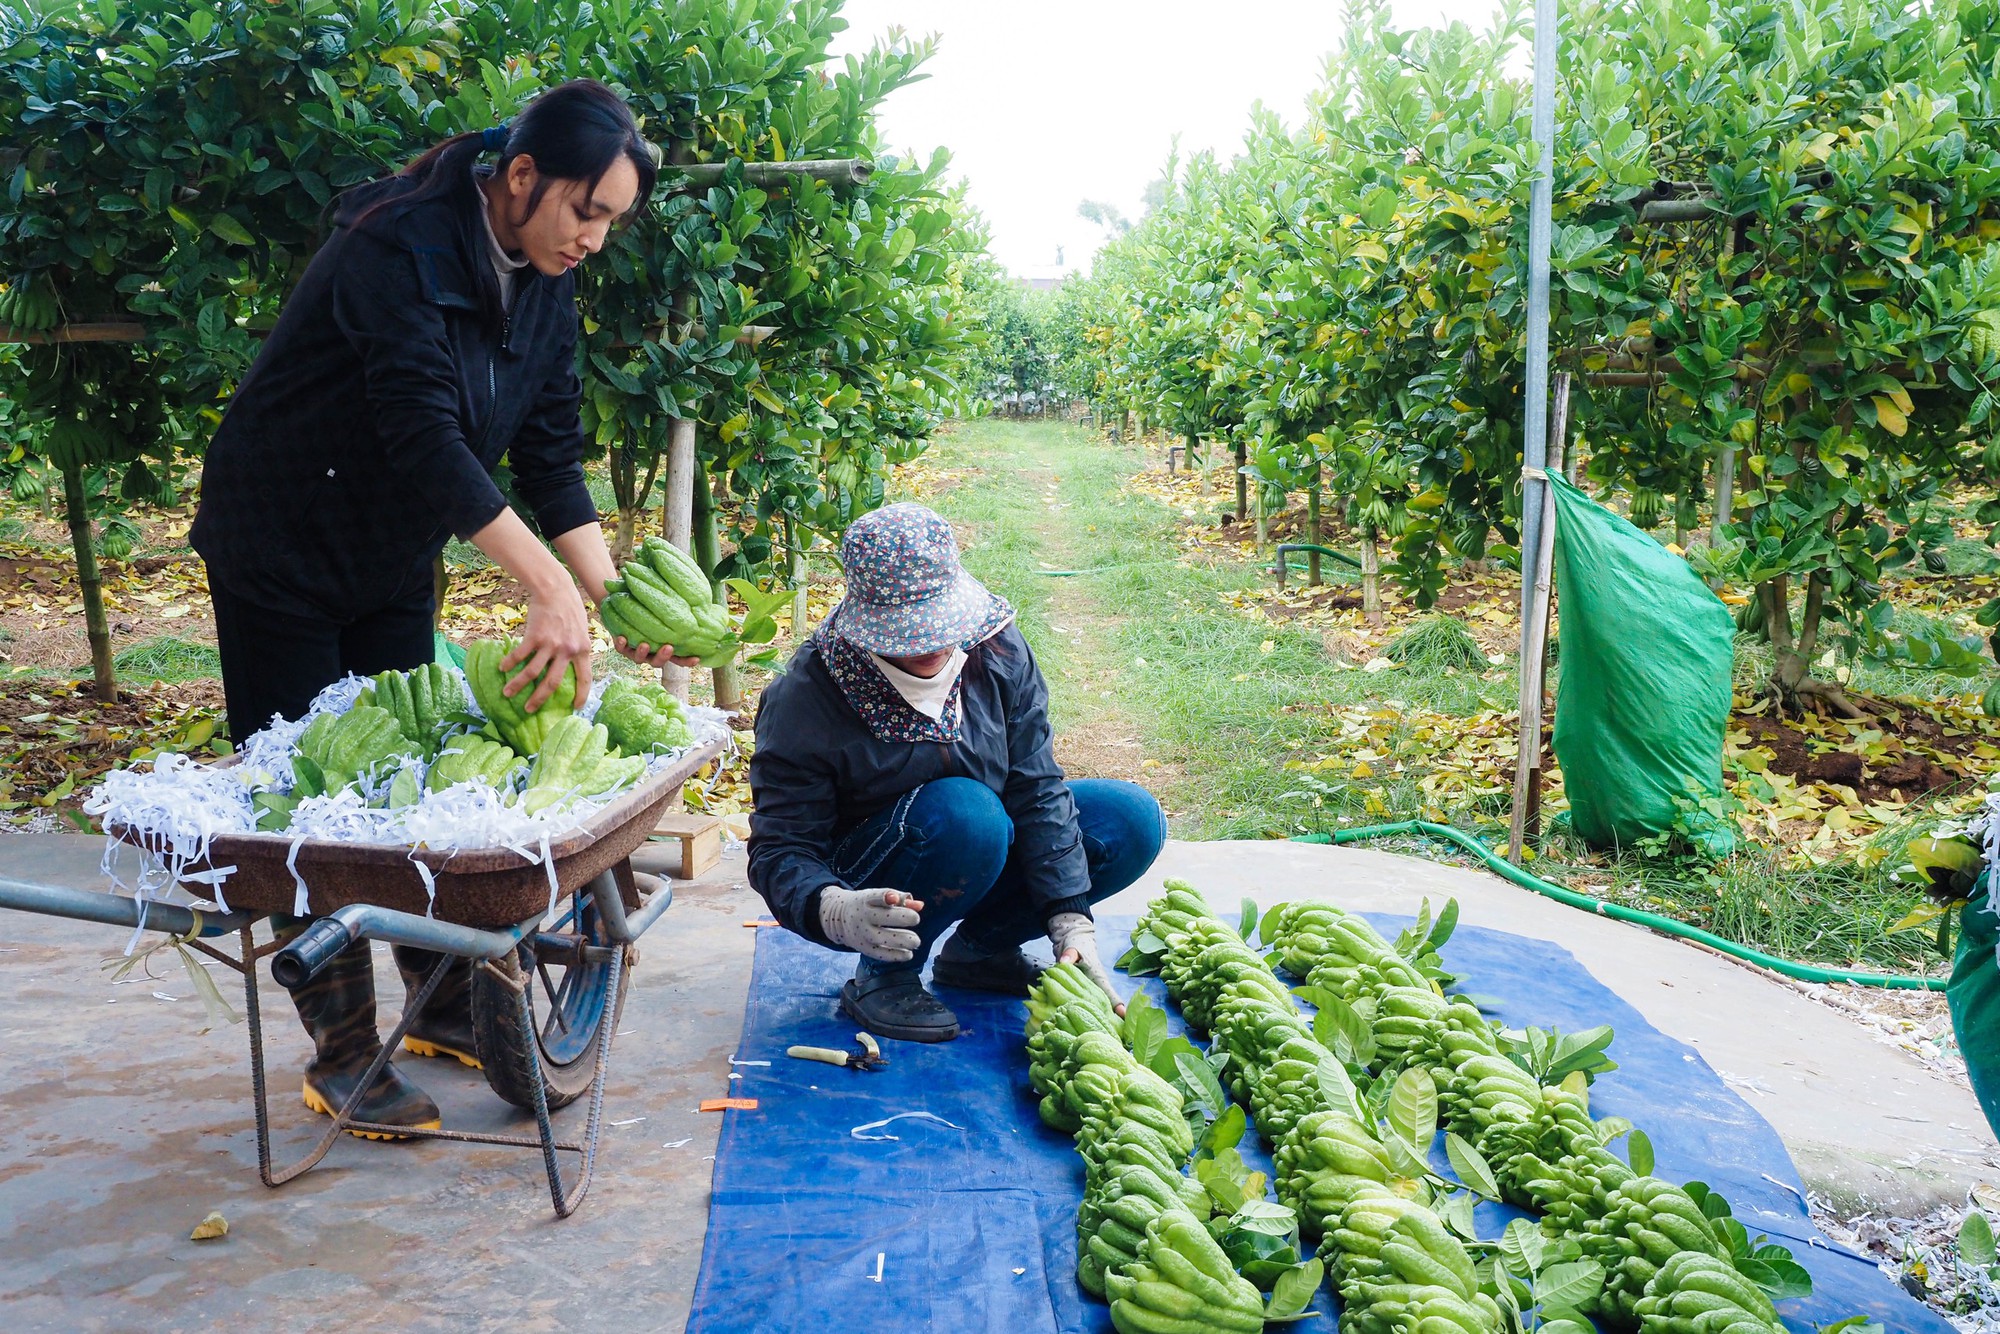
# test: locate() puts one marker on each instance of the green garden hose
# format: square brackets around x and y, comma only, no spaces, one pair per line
[1506,870]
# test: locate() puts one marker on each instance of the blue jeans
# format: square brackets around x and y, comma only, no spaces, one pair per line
[949,844]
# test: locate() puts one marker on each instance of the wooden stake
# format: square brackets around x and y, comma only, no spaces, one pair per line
[1242,480]
[1371,577]
[1535,591]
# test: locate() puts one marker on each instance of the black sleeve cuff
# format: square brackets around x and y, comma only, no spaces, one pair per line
[476,511]
[1079,903]
[569,508]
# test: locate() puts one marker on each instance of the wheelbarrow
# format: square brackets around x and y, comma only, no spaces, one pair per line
[553,942]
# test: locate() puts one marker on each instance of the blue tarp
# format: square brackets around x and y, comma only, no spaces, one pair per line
[974,1228]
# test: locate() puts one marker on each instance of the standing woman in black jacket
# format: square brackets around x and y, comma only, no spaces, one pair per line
[434,334]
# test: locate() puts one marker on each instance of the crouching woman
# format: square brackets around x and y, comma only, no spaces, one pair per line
[904,782]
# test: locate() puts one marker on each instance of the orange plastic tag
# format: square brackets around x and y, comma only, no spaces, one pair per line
[762,921]
[726,1104]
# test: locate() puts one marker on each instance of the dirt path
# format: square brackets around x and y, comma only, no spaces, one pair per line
[1018,519]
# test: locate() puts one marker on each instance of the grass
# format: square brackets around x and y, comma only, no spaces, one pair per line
[1219,696]
[167,659]
[1223,701]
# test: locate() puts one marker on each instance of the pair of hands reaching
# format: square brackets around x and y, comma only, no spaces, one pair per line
[881,923]
[556,636]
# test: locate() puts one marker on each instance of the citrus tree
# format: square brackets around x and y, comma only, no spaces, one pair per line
[172,164]
[1773,268]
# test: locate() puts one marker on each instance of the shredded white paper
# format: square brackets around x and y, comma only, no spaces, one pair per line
[180,806]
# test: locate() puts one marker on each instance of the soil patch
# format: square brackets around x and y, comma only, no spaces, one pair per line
[1903,755]
[57,738]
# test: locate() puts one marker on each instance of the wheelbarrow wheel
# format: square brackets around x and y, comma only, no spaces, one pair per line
[570,1000]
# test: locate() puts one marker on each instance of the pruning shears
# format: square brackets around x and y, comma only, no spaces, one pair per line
[866,1055]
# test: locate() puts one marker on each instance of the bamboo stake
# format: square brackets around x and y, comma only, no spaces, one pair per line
[726,681]
[677,505]
[107,331]
[1535,589]
[1313,526]
[834,171]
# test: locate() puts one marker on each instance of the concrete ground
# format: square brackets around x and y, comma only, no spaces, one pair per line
[126,1126]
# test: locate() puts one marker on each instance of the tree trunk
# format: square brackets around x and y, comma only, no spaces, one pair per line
[727,681]
[1371,577]
[801,580]
[1313,529]
[1242,480]
[440,585]
[632,495]
[1263,520]
[96,627]
[1187,451]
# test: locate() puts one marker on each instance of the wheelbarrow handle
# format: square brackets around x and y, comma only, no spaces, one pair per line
[311,950]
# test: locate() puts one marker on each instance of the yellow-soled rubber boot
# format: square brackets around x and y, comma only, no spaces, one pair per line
[444,1028]
[392,1100]
[338,1010]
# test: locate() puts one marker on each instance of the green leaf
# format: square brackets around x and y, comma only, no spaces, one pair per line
[1272,917]
[1471,1166]
[1413,1108]
[1247,924]
[1275,1220]
[1569,1285]
[1780,1276]
[1295,1290]
[1639,1152]
[1523,1245]
[1199,1081]
[1225,1131]
[230,230]
[1338,1087]
[1566,1325]
[1144,1028]
[1975,1239]
[1447,922]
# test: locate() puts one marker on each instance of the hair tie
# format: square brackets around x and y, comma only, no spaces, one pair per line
[494,138]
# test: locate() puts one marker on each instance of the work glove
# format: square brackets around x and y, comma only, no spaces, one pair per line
[1074,938]
[874,922]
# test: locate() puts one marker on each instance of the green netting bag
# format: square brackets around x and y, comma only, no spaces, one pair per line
[1974,997]
[1643,703]
[445,653]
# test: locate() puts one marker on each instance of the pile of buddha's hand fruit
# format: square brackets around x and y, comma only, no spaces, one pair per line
[1350,1101]
[415,732]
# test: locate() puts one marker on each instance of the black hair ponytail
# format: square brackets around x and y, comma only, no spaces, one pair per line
[575,131]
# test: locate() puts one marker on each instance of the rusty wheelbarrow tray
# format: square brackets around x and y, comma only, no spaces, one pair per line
[491,905]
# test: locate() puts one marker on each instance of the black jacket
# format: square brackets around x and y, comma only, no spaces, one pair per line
[367,430]
[818,771]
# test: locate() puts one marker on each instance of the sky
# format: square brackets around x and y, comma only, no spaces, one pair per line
[1044,105]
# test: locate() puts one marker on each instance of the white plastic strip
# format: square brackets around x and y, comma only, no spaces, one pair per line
[899,1116]
[299,906]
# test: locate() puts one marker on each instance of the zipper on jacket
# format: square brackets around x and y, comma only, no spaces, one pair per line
[492,372]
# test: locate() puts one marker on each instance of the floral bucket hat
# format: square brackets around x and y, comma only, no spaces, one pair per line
[906,592]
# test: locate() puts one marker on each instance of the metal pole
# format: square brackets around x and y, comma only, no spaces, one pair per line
[1534,423]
